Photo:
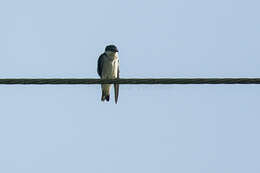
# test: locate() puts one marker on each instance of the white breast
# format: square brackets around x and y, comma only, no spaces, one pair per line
[110,67]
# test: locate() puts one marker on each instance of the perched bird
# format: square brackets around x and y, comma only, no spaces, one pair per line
[108,68]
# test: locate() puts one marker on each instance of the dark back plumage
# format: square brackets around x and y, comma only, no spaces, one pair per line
[100,64]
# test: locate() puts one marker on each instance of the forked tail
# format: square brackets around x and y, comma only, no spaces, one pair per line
[105,96]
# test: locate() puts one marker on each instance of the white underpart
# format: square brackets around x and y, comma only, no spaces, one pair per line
[109,71]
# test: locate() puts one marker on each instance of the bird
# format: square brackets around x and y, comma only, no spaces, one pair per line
[108,68]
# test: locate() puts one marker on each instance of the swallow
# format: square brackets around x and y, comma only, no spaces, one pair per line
[108,68]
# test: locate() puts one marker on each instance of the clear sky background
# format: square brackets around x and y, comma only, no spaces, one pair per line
[155,129]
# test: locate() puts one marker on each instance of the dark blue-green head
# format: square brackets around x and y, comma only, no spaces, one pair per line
[111,48]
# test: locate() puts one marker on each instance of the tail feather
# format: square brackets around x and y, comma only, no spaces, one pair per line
[107,97]
[116,89]
[105,94]
[103,97]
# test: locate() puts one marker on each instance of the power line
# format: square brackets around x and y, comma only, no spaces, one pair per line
[77,81]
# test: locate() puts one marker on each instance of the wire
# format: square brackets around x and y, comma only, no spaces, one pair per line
[84,81]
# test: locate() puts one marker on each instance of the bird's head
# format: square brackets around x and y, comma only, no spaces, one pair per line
[111,48]
[112,51]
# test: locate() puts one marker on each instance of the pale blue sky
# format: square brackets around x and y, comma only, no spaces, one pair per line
[155,129]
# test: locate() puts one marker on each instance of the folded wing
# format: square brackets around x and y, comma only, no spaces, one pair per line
[116,86]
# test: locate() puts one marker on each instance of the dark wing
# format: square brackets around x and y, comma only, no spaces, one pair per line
[116,86]
[100,64]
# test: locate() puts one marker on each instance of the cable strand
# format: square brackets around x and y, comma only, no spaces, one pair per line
[132,81]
